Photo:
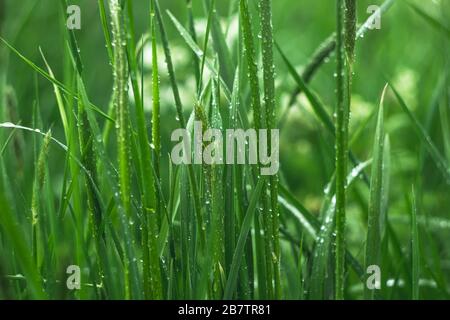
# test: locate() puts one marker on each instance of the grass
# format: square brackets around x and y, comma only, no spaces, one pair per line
[86,176]
[341,144]
[377,202]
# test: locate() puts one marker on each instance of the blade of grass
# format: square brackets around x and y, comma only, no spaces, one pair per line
[259,123]
[191,27]
[269,106]
[341,145]
[180,119]
[151,266]
[317,105]
[123,134]
[434,22]
[36,206]
[326,49]
[323,236]
[156,146]
[199,52]
[226,64]
[105,29]
[415,249]
[51,78]
[350,28]
[373,243]
[16,237]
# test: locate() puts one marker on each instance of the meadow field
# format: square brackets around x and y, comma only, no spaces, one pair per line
[321,169]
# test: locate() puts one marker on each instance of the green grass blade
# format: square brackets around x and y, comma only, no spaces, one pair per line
[50,78]
[415,250]
[226,64]
[373,243]
[341,145]
[350,28]
[327,47]
[181,119]
[243,234]
[250,55]
[269,106]
[36,205]
[106,31]
[438,159]
[17,240]
[312,97]
[434,22]
[123,139]
[324,238]
[199,52]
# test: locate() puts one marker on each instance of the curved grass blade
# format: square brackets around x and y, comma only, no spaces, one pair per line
[181,120]
[226,63]
[123,139]
[376,207]
[16,237]
[199,52]
[310,223]
[52,79]
[341,145]
[327,47]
